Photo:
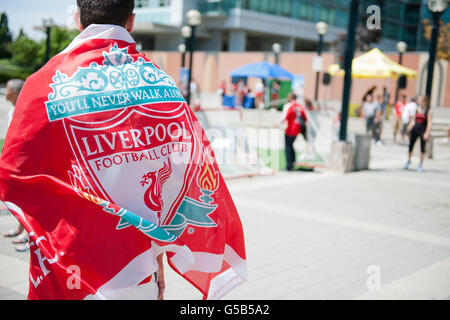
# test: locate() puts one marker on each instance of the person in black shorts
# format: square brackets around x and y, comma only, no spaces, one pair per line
[420,128]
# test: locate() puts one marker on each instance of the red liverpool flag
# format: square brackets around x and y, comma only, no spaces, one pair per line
[106,167]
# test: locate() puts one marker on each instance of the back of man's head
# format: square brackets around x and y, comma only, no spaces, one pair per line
[104,11]
[13,88]
[15,85]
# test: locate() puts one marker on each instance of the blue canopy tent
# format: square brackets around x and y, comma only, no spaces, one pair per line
[262,70]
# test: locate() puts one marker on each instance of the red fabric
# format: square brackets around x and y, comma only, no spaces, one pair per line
[420,118]
[294,113]
[399,108]
[67,180]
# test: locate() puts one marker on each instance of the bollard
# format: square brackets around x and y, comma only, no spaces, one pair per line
[342,157]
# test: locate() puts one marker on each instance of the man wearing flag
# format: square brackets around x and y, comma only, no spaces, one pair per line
[107,168]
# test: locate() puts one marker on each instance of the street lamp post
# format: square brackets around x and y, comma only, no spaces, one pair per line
[182,51]
[186,33]
[321,28]
[436,7]
[276,48]
[401,48]
[348,58]
[194,19]
[48,23]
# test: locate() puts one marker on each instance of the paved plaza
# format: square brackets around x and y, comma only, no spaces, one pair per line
[382,233]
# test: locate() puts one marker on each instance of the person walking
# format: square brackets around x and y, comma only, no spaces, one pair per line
[398,109]
[296,119]
[420,128]
[275,94]
[378,120]
[368,112]
[407,115]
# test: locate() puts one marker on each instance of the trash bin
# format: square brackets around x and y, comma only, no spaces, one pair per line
[362,151]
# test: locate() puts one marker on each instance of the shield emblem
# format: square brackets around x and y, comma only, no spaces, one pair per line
[154,160]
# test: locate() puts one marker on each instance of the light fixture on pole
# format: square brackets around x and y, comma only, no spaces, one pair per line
[436,7]
[48,23]
[401,48]
[194,19]
[182,51]
[321,28]
[186,33]
[276,48]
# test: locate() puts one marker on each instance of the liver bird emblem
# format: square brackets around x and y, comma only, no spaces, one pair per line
[155,181]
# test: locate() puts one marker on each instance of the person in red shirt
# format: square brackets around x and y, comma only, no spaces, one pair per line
[398,109]
[295,118]
[222,90]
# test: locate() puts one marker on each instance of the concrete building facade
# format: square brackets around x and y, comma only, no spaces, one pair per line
[254,25]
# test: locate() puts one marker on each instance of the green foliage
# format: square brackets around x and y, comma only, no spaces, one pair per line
[28,55]
[25,52]
[60,38]
[11,71]
[5,37]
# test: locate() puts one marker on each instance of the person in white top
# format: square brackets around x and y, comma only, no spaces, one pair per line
[369,109]
[195,95]
[13,88]
[259,94]
[408,113]
[12,92]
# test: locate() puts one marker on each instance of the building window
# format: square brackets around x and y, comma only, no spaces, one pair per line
[391,31]
[285,7]
[409,36]
[341,18]
[142,3]
[254,5]
[265,6]
[152,3]
[328,15]
[307,11]
[393,9]
[164,3]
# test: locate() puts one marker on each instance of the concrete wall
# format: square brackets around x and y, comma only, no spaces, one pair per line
[210,68]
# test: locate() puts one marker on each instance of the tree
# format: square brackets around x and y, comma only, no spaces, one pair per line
[25,52]
[29,54]
[443,45]
[5,37]
[60,38]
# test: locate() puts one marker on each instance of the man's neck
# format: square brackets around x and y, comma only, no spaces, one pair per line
[101,31]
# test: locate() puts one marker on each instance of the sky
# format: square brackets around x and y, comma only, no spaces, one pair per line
[29,13]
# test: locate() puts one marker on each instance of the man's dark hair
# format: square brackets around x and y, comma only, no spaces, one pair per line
[104,11]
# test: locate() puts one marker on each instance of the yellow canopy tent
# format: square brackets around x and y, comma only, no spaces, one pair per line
[374,64]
